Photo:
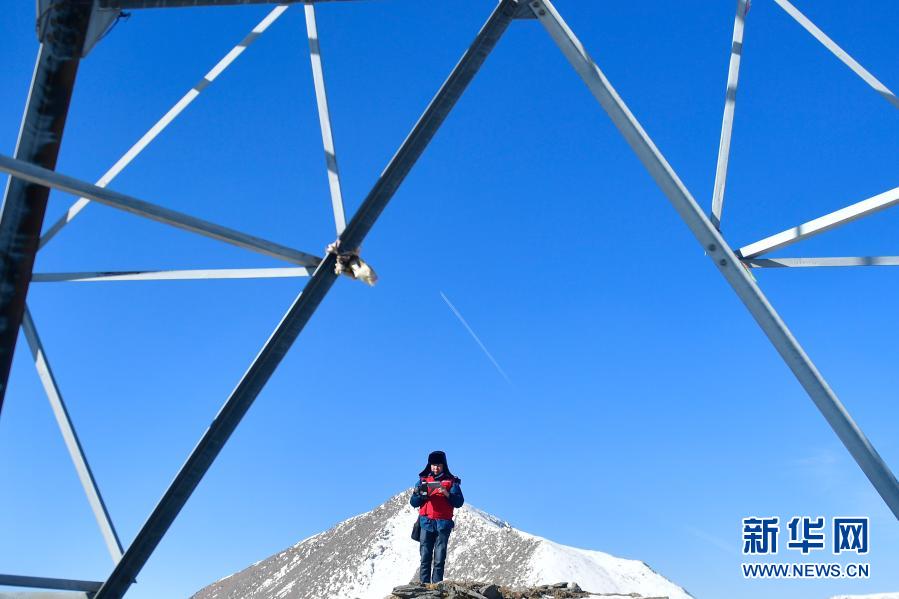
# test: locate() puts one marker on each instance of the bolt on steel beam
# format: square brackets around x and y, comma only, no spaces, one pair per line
[304,306]
[722,255]
[64,27]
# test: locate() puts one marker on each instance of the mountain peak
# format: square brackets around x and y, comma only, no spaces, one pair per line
[366,556]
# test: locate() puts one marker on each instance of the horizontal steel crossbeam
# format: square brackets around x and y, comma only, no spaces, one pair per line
[172,275]
[132,4]
[827,261]
[42,176]
[45,595]
[59,584]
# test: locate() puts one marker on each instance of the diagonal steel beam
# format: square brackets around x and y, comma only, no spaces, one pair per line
[304,306]
[63,27]
[42,176]
[825,262]
[730,103]
[881,201]
[76,452]
[172,275]
[720,253]
[324,119]
[837,51]
[160,126]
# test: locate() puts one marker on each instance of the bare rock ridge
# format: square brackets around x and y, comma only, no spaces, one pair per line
[367,556]
[482,590]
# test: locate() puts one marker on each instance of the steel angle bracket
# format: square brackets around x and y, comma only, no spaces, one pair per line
[524,11]
[102,21]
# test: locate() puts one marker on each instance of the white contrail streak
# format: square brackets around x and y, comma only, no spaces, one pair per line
[475,337]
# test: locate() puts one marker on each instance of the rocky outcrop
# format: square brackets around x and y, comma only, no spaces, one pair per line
[454,589]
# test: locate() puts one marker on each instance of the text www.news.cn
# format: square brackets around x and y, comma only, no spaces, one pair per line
[809,570]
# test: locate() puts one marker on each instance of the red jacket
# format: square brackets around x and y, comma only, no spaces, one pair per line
[437,507]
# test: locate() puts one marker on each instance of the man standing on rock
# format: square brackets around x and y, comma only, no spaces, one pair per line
[435,495]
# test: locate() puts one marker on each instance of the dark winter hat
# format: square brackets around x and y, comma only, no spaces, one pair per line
[436,457]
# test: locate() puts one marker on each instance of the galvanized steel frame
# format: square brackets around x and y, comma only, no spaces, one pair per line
[732,265]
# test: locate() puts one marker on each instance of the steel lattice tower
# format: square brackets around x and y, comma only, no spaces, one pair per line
[68,29]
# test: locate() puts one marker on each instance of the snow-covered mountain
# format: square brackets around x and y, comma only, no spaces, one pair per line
[366,556]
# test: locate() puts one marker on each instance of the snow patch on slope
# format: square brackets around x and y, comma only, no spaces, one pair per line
[599,572]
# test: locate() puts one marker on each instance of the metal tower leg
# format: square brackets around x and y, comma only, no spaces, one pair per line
[303,307]
[723,256]
[64,26]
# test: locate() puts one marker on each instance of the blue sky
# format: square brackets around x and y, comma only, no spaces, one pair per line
[646,414]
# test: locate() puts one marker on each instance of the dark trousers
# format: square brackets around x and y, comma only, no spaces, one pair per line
[433,547]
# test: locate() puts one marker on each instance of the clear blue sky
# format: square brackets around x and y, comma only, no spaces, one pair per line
[647,413]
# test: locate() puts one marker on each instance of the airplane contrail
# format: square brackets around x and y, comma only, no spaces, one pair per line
[475,337]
